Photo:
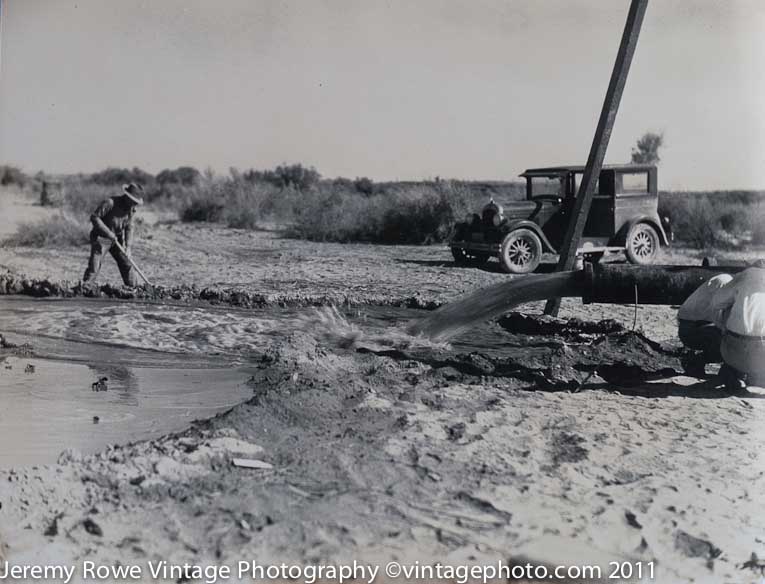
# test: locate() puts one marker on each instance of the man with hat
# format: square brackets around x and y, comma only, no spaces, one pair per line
[113,222]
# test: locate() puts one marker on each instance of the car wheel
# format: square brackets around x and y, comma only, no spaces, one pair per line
[642,245]
[521,252]
[462,258]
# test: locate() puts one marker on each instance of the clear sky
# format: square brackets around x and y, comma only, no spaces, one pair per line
[390,89]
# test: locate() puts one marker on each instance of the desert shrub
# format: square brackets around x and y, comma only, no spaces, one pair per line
[758,224]
[12,176]
[81,198]
[117,176]
[183,175]
[58,230]
[419,218]
[331,215]
[714,219]
[425,214]
[295,176]
[167,196]
[236,201]
[366,186]
[694,219]
[735,217]
[245,204]
[200,208]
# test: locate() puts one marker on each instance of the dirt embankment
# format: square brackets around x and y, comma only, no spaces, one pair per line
[15,284]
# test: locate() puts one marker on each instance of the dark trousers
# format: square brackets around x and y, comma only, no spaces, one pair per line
[96,256]
[746,355]
[701,335]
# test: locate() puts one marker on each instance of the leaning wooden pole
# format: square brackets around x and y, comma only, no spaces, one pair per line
[600,142]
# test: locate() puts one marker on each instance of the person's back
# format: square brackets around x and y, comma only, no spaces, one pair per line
[697,326]
[698,306]
[742,302]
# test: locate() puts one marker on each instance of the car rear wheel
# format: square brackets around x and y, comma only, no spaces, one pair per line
[642,245]
[521,252]
[463,258]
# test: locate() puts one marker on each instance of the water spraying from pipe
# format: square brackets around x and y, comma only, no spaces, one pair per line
[328,325]
[494,301]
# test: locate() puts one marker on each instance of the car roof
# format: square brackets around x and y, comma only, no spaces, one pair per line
[561,170]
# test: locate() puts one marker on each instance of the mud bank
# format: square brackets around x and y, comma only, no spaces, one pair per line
[428,456]
[16,284]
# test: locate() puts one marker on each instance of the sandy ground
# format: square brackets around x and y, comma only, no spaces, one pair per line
[561,450]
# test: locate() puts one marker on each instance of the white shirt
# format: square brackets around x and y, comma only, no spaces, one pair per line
[698,306]
[744,298]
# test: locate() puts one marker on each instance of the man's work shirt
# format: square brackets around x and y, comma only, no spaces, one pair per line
[743,299]
[698,306]
[117,217]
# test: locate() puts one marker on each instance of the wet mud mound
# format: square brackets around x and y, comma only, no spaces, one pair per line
[553,353]
[15,284]
[523,324]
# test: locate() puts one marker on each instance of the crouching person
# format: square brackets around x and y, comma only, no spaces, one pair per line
[113,223]
[697,326]
[742,302]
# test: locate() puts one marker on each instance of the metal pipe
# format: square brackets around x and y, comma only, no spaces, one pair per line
[616,283]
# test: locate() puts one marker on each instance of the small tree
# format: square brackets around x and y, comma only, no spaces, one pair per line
[12,175]
[646,150]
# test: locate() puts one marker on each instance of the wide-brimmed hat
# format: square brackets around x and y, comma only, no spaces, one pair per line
[132,192]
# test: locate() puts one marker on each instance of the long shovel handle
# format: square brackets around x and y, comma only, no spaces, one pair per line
[132,263]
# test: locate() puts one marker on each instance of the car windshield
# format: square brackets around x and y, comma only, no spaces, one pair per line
[546,185]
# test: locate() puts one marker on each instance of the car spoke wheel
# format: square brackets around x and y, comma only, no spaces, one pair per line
[521,252]
[642,244]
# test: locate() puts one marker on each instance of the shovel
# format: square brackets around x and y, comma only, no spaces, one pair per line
[132,263]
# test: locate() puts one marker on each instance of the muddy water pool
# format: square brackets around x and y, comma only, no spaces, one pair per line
[166,365]
[54,407]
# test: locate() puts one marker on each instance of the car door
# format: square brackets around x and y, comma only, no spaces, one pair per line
[634,197]
[600,221]
[552,216]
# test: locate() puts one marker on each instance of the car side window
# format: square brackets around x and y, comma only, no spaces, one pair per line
[633,183]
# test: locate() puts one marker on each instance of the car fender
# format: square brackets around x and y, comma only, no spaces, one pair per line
[458,231]
[513,224]
[621,237]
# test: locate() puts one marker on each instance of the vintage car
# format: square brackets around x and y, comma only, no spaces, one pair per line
[623,217]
